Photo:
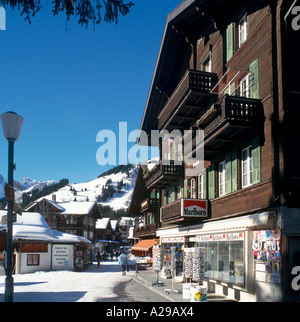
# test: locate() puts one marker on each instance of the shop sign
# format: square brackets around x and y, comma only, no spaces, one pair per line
[172,240]
[61,255]
[221,237]
[194,208]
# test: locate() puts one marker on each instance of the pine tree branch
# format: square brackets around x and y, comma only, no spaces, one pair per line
[85,11]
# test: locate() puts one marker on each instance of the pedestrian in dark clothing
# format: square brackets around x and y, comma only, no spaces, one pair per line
[98,259]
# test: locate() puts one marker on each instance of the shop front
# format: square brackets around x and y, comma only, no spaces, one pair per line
[230,264]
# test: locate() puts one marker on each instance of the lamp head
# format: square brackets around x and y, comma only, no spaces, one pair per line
[12,124]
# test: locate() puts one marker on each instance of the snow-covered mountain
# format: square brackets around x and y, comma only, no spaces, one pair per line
[25,185]
[90,191]
[119,188]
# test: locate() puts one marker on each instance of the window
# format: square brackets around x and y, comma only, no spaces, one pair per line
[243,30]
[33,260]
[193,189]
[246,167]
[200,187]
[222,178]
[206,63]
[245,87]
[225,261]
[178,192]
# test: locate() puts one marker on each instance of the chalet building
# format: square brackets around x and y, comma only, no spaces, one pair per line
[77,218]
[229,69]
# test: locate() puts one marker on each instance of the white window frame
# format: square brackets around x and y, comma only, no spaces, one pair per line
[245,87]
[193,189]
[243,30]
[178,193]
[206,63]
[200,186]
[222,178]
[247,167]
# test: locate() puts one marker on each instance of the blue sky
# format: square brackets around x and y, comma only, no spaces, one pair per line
[69,85]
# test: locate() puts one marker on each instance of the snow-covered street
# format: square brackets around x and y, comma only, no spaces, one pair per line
[95,284]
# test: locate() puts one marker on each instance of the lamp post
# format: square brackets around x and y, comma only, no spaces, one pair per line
[12,124]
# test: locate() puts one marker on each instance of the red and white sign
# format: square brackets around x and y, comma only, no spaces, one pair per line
[194,208]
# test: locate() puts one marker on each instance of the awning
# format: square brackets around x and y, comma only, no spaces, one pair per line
[144,245]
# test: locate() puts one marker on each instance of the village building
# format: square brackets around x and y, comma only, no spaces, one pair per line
[229,70]
[78,218]
[39,248]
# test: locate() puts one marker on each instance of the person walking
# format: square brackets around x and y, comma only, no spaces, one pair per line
[98,257]
[123,262]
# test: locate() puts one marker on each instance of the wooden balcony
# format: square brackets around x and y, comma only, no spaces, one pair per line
[150,205]
[147,230]
[191,97]
[229,122]
[164,174]
[184,211]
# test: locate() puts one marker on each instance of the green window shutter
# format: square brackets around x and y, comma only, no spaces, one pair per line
[256,161]
[204,173]
[211,182]
[228,188]
[185,192]
[254,80]
[234,171]
[229,42]
[172,194]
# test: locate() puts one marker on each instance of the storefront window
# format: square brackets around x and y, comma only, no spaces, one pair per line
[225,261]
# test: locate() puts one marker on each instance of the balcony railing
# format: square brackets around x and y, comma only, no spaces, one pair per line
[150,204]
[185,209]
[194,86]
[238,111]
[164,174]
[145,230]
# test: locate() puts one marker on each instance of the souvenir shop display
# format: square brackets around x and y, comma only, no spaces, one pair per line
[266,249]
[157,253]
[170,266]
[194,264]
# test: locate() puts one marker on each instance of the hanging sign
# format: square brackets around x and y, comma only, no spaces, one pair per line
[194,208]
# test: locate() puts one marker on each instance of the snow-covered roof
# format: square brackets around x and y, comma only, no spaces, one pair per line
[114,224]
[102,223]
[32,226]
[76,207]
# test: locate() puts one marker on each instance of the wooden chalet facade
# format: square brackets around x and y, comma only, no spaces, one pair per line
[77,218]
[144,204]
[230,69]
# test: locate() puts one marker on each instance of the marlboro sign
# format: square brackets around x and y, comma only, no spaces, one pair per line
[194,208]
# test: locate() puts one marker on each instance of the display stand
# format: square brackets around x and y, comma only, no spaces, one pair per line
[173,269]
[194,270]
[157,265]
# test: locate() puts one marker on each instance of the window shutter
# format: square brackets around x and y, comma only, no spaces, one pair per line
[229,42]
[234,171]
[185,192]
[204,174]
[228,188]
[172,194]
[211,182]
[254,80]
[256,161]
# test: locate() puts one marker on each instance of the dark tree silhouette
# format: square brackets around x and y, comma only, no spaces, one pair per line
[84,10]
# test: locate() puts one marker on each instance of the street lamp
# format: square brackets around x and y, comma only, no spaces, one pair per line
[12,124]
